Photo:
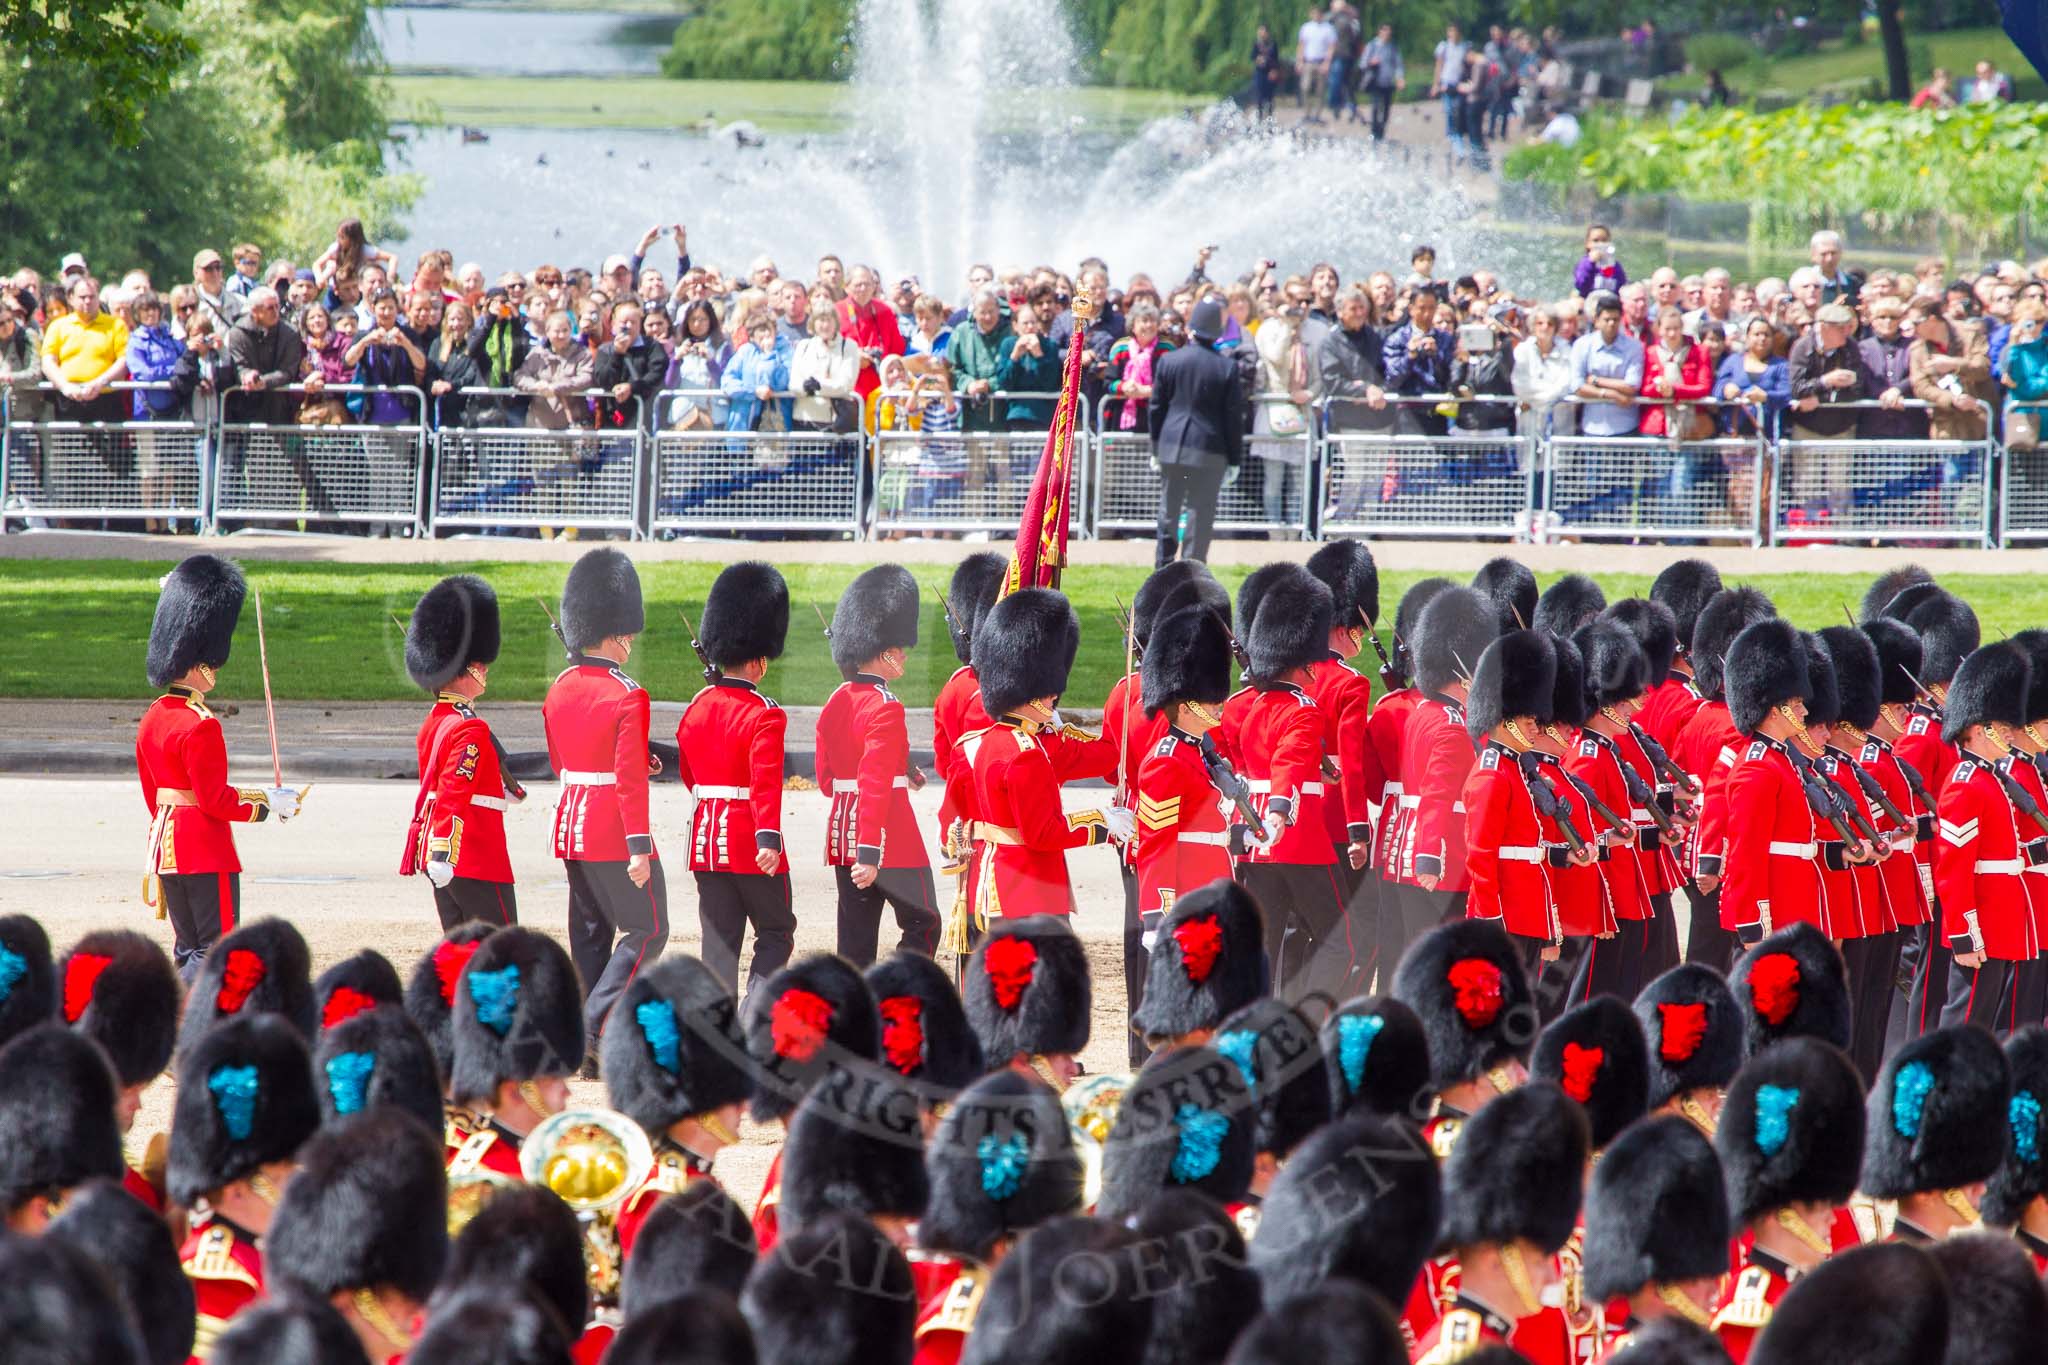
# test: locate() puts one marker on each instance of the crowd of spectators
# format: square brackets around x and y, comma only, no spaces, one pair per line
[1828,352]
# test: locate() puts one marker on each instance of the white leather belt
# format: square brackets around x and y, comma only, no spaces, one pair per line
[1213,838]
[843,785]
[1790,850]
[589,779]
[1263,785]
[1391,789]
[1992,865]
[1639,815]
[488,802]
[1521,855]
[708,793]
[1902,840]
[1458,806]
[1411,802]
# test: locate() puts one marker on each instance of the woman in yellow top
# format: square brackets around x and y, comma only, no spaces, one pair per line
[84,353]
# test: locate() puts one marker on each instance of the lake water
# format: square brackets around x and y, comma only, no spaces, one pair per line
[506,42]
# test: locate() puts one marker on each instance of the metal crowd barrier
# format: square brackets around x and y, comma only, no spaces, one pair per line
[1387,473]
[969,480]
[1860,488]
[711,481]
[53,468]
[1269,494]
[2023,482]
[1653,487]
[485,475]
[309,475]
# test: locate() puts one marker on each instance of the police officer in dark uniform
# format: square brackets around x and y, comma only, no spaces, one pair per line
[1197,422]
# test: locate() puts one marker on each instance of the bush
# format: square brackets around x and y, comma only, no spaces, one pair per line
[762,40]
[1723,52]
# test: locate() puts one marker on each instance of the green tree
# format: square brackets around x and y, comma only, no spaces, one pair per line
[763,40]
[126,50]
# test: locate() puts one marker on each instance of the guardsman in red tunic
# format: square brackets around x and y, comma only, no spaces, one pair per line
[1649,756]
[680,1072]
[244,1106]
[1385,727]
[518,1037]
[457,835]
[1791,1146]
[1694,1030]
[872,841]
[729,744]
[57,1115]
[1003,1162]
[1023,651]
[956,710]
[1608,760]
[2016,1196]
[1437,755]
[1985,844]
[1656,1229]
[118,989]
[1184,818]
[1512,1189]
[596,720]
[1344,697]
[2024,766]
[814,1013]
[192,874]
[1939,1126]
[1684,588]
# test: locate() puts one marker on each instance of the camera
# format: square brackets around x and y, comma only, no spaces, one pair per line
[1475,336]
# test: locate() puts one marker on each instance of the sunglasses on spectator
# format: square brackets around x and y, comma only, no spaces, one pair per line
[547,279]
[185,308]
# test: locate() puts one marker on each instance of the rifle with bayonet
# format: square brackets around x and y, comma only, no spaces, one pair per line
[697,647]
[1549,803]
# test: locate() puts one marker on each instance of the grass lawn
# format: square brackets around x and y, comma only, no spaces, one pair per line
[656,102]
[1850,67]
[76,628]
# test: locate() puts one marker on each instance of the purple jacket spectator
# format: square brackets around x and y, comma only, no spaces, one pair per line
[1886,361]
[1588,277]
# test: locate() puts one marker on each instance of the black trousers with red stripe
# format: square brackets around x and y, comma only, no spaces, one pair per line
[1983,997]
[1873,965]
[1308,942]
[203,908]
[906,890]
[727,902]
[615,929]
[465,899]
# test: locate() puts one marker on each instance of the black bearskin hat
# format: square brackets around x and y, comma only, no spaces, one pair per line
[877,612]
[529,1237]
[354,985]
[1295,632]
[1003,1162]
[1724,617]
[1204,1290]
[1187,660]
[976,581]
[377,1057]
[454,624]
[1656,1211]
[833,1292]
[1069,1293]
[1516,676]
[1792,982]
[1596,1054]
[1465,981]
[1281,1058]
[121,991]
[696,1239]
[1791,1129]
[367,1209]
[925,1033]
[1253,590]
[1898,655]
[1360,1202]
[1419,595]
[430,993]
[1876,1305]
[1911,598]
[1686,586]
[1028,990]
[195,617]
[57,1123]
[1887,586]
[1567,604]
[2023,1175]
[1938,1116]
[1823,697]
[132,1244]
[1854,660]
[1207,961]
[518,1015]
[1335,1323]
[1990,686]
[601,599]
[709,1320]
[1948,634]
[284,1328]
[856,1144]
[1170,588]
[812,1015]
[1569,702]
[1186,1121]
[1024,649]
[1377,1059]
[1510,586]
[2035,645]
[1517,1172]
[492,1325]
[57,1307]
[1998,1310]
[746,615]
[1654,629]
[264,967]
[1693,1029]
[1669,1341]
[245,1100]
[1765,666]
[1617,669]
[28,982]
[1346,568]
[676,1049]
[1455,629]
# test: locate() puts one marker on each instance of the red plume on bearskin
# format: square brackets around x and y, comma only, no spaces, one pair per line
[1476,989]
[800,1021]
[1011,963]
[1685,1026]
[903,1032]
[1201,943]
[1774,986]
[245,972]
[81,974]
[1581,1070]
[344,1004]
[449,960]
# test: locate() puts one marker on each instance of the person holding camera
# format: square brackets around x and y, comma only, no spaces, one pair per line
[1418,357]
[1483,364]
[499,344]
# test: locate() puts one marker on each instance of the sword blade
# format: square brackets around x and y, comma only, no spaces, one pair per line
[269,702]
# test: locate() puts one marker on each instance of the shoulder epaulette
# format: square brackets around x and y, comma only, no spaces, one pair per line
[672,1174]
[1871,752]
[470,1158]
[629,684]
[882,691]
[214,1259]
[1965,770]
[1444,1136]
[1589,747]
[1757,749]
[1489,758]
[197,706]
[1164,747]
[1461,1334]
[1918,725]
[961,1304]
[1750,1306]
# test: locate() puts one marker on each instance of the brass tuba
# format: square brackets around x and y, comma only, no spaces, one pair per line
[594,1159]
[1091,1104]
[468,1194]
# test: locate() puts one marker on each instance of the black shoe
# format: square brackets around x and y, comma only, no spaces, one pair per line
[592,1070]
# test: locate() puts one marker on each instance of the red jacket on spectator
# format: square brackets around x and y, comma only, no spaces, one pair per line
[1694,380]
[870,327]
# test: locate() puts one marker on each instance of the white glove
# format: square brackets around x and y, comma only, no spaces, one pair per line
[1230,475]
[1122,823]
[1276,825]
[440,871]
[284,801]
